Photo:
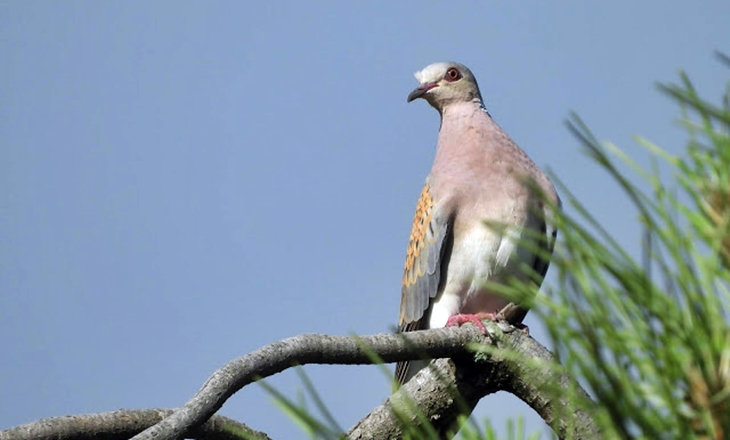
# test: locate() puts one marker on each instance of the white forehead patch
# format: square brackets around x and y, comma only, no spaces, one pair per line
[432,73]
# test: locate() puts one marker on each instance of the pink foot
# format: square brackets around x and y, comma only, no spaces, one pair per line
[476,319]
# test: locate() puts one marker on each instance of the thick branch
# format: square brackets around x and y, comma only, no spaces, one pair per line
[529,373]
[123,424]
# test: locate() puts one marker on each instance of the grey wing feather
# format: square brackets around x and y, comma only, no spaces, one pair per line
[421,283]
[422,280]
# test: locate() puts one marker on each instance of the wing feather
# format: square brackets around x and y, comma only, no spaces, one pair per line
[423,267]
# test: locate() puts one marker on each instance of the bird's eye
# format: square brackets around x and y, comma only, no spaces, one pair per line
[452,74]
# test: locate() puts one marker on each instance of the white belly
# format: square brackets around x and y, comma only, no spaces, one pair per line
[480,255]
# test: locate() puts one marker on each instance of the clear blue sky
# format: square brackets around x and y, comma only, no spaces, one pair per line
[183,182]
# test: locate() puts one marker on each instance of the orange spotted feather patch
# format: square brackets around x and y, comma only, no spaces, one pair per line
[418,240]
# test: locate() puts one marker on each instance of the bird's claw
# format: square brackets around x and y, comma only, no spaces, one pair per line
[476,319]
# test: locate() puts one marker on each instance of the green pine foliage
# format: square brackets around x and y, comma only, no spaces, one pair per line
[650,337]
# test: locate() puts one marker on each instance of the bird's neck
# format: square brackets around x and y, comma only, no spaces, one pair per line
[465,130]
[463,112]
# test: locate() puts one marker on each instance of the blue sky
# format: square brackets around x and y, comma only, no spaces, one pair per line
[184,182]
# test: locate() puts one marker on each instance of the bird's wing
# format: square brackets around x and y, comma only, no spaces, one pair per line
[548,236]
[422,274]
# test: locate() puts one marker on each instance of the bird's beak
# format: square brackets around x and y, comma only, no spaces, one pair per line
[421,90]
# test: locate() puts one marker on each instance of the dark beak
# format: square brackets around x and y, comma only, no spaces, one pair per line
[420,91]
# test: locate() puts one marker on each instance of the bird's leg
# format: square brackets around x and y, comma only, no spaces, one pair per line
[476,319]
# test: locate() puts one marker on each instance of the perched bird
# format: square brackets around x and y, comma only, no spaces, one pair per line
[479,177]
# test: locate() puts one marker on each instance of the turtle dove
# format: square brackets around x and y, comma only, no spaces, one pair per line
[479,177]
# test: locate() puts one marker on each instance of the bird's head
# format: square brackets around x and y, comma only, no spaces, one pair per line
[445,83]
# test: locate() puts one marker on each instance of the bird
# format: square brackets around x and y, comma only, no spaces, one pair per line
[480,176]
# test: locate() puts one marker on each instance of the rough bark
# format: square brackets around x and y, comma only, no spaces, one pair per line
[123,424]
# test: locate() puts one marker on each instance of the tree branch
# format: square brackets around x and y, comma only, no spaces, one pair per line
[123,424]
[450,388]
[302,350]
